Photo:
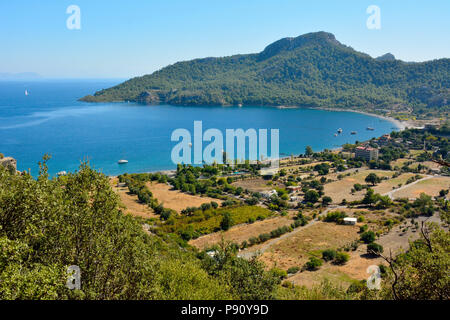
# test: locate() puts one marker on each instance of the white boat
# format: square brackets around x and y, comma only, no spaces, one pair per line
[122,161]
[339,130]
[26,92]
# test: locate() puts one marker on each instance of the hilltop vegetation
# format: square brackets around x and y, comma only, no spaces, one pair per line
[312,70]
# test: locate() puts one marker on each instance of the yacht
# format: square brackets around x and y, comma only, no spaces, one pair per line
[339,130]
[122,161]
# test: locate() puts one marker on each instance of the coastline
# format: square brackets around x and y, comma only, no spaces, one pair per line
[401,125]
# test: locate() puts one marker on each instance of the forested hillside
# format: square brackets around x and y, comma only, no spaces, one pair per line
[313,70]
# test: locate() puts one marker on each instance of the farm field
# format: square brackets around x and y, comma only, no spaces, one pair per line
[242,232]
[341,189]
[296,250]
[430,187]
[175,199]
[254,184]
[131,203]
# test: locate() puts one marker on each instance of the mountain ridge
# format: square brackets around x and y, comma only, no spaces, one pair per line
[312,70]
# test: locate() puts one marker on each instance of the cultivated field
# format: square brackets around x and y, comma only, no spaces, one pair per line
[296,250]
[131,203]
[341,189]
[430,187]
[242,232]
[175,199]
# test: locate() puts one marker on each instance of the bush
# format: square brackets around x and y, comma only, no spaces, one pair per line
[329,254]
[374,248]
[368,237]
[278,273]
[227,221]
[363,228]
[336,216]
[313,264]
[293,270]
[341,258]
[263,237]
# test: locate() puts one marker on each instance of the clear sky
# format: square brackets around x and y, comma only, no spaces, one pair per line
[121,39]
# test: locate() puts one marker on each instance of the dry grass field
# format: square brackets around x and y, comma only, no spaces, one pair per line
[341,189]
[430,187]
[388,185]
[296,250]
[175,199]
[254,185]
[131,203]
[242,232]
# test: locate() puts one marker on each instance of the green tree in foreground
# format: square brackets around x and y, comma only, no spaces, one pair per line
[421,273]
[47,225]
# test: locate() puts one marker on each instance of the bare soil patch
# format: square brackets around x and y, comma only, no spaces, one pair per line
[175,199]
[131,202]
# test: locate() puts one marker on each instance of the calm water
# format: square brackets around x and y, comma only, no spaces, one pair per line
[50,120]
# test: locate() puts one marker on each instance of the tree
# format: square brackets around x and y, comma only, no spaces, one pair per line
[308,151]
[370,197]
[341,258]
[374,248]
[326,200]
[368,237]
[311,196]
[313,264]
[329,254]
[48,224]
[227,221]
[421,273]
[372,178]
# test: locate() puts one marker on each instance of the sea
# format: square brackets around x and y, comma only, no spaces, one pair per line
[51,120]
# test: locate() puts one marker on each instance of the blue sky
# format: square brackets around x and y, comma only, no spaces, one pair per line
[121,39]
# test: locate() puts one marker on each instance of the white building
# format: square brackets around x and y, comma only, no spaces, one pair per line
[351,221]
[268,194]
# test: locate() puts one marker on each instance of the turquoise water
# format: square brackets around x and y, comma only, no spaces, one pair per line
[51,120]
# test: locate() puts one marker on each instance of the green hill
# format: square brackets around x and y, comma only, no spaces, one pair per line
[313,70]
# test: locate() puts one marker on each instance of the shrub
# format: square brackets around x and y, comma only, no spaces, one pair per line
[329,254]
[363,228]
[263,237]
[313,264]
[341,258]
[293,270]
[374,248]
[214,204]
[335,216]
[227,221]
[278,273]
[368,237]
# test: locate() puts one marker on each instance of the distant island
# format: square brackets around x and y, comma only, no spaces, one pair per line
[312,70]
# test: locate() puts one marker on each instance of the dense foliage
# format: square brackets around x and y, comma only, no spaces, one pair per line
[47,225]
[312,70]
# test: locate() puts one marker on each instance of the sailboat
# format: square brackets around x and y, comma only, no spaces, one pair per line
[26,92]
